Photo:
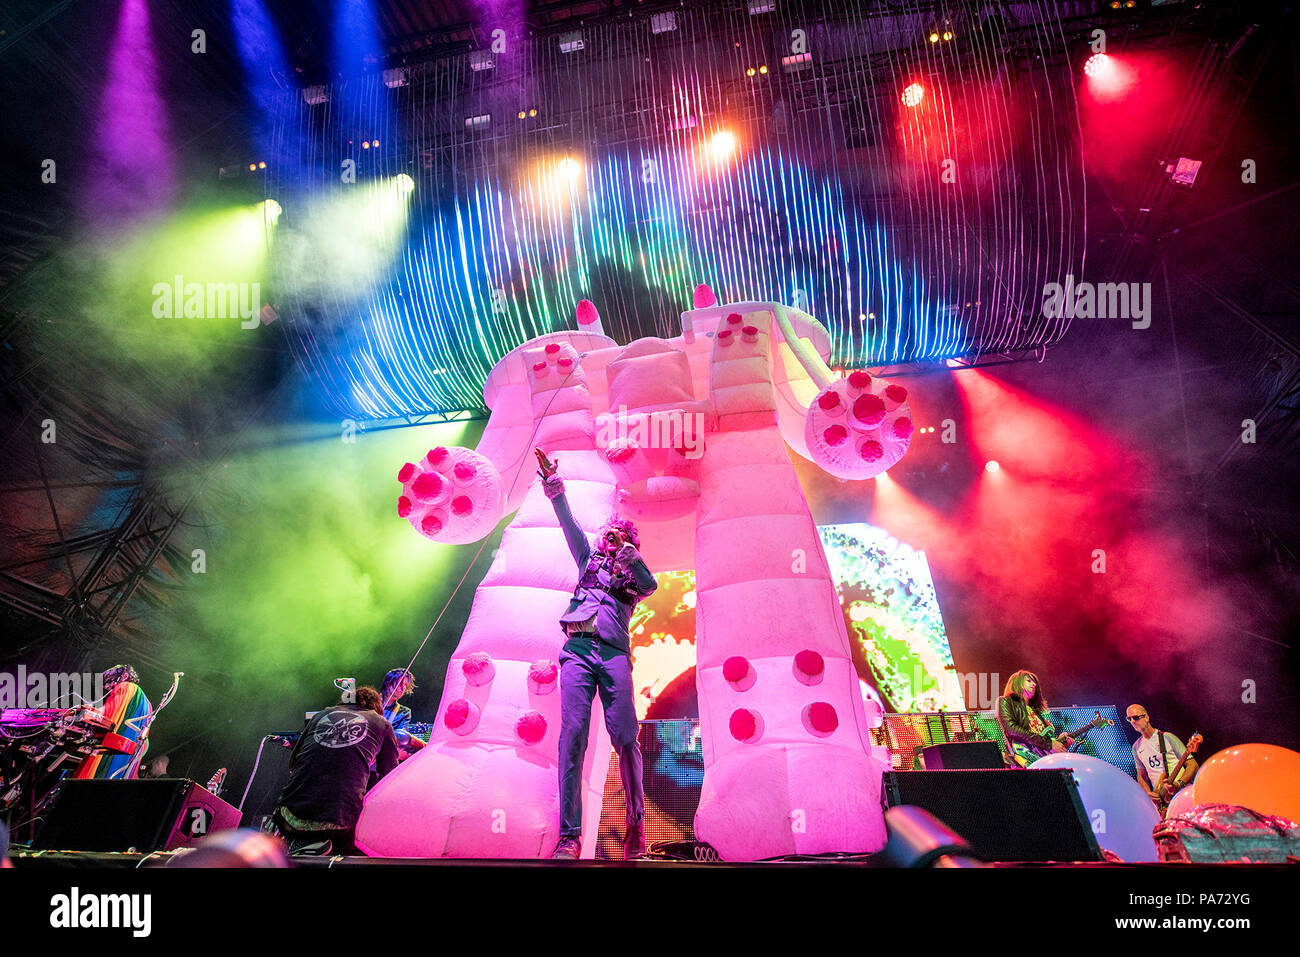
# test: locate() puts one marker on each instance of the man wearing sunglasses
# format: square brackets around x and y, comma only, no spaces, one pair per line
[612,579]
[1155,753]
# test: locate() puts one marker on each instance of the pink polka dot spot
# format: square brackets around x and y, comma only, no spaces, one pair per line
[860,379]
[437,456]
[703,297]
[552,348]
[431,525]
[620,453]
[478,668]
[457,713]
[543,672]
[828,401]
[750,330]
[462,505]
[868,409]
[724,336]
[835,435]
[734,319]
[406,472]
[822,718]
[428,485]
[539,367]
[903,428]
[735,668]
[871,451]
[896,394]
[809,662]
[464,471]
[587,313]
[403,506]
[531,727]
[564,363]
[743,724]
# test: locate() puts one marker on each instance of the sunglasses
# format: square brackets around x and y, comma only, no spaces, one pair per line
[1136,717]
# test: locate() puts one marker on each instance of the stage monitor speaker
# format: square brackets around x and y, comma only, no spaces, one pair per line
[154,815]
[1003,815]
[271,774]
[962,756]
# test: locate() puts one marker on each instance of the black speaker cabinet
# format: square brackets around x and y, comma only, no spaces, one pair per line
[1003,815]
[152,815]
[962,755]
[271,774]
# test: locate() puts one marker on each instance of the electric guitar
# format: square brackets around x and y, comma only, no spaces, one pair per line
[1025,755]
[1161,804]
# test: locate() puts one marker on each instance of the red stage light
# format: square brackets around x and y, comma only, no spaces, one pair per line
[913,94]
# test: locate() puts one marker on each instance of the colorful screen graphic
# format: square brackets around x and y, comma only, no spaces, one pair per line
[891,613]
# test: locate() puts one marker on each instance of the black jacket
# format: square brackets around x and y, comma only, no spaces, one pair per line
[330,767]
[1013,716]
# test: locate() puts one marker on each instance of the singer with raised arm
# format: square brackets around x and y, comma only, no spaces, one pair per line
[597,657]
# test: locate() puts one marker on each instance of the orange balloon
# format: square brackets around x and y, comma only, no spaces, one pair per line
[1262,777]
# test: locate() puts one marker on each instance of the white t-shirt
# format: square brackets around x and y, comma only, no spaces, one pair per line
[1147,752]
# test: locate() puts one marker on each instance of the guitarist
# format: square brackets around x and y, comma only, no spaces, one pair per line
[1022,713]
[1156,754]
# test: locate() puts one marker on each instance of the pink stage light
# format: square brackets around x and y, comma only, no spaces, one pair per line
[992,466]
[1098,65]
[1108,77]
[913,93]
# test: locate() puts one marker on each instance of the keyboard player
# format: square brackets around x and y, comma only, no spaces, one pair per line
[127,708]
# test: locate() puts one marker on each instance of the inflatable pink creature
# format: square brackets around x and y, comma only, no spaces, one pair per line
[687,437]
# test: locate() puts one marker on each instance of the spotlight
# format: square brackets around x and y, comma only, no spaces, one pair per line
[991,466]
[571,42]
[750,72]
[1097,65]
[522,114]
[722,145]
[570,168]
[480,122]
[947,35]
[375,143]
[479,60]
[757,7]
[252,167]
[1184,171]
[763,68]
[934,38]
[665,22]
[271,210]
[365,144]
[395,77]
[262,165]
[404,183]
[315,95]
[796,61]
[532,112]
[913,93]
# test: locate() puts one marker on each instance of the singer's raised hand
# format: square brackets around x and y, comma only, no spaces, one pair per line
[548,467]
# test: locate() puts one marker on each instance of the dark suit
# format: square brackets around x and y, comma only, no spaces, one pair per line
[597,662]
